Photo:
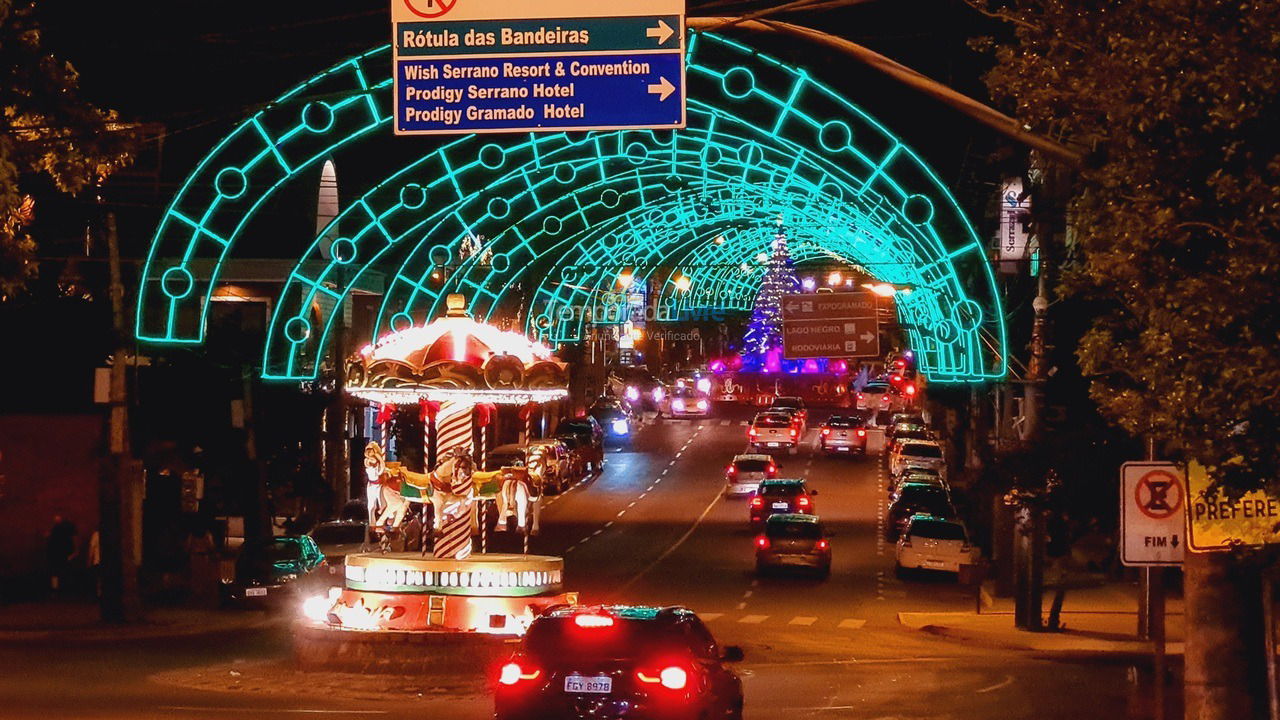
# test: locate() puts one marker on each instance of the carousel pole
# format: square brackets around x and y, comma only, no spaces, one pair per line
[453,431]
[485,417]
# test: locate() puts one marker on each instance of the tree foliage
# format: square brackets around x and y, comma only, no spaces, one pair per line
[46,130]
[1177,213]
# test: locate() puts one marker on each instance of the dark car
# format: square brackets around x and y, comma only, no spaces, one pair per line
[590,438]
[780,496]
[637,388]
[793,405]
[619,662]
[843,435]
[913,498]
[274,570]
[512,455]
[615,419]
[793,541]
[338,539]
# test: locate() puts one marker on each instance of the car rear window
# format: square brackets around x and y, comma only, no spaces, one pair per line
[781,490]
[560,640]
[922,450]
[773,421]
[923,493]
[936,530]
[843,422]
[798,530]
[876,388]
[751,465]
[788,402]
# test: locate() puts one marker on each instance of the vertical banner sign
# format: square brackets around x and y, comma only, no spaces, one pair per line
[1014,209]
[1153,514]
[463,66]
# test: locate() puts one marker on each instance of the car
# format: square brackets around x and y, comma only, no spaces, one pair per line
[917,454]
[619,662]
[510,455]
[274,570]
[793,540]
[745,473]
[615,419]
[773,430]
[685,402]
[908,417]
[916,475]
[794,405]
[915,498]
[336,540]
[932,543]
[699,379]
[637,388]
[904,432]
[874,396]
[591,438]
[580,456]
[843,434]
[780,495]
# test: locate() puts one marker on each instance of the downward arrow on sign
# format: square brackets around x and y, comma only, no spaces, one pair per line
[1174,542]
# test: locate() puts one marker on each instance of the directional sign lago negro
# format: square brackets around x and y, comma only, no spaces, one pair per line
[475,66]
[819,325]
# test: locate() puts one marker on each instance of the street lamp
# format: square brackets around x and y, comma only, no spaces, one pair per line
[834,278]
[682,283]
[625,278]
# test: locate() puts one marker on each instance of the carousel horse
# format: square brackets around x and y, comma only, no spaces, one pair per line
[455,465]
[520,495]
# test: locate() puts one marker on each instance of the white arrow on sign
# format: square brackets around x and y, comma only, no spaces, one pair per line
[867,337]
[663,32]
[663,89]
[792,307]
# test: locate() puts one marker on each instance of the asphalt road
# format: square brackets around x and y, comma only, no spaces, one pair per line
[655,528]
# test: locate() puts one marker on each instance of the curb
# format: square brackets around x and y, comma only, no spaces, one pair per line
[128,633]
[1085,649]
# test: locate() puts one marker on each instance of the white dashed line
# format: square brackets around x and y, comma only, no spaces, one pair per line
[752,619]
[851,624]
[742,606]
[633,504]
[623,512]
[708,617]
[803,621]
[610,523]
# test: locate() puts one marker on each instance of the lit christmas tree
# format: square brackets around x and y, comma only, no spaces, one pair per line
[764,332]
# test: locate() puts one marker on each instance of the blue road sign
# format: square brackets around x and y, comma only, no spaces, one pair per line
[551,92]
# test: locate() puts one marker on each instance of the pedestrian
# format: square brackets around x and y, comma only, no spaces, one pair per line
[60,552]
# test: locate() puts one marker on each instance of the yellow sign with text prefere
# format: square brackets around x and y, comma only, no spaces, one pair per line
[1219,523]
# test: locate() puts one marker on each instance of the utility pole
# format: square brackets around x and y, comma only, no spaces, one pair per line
[337,453]
[119,493]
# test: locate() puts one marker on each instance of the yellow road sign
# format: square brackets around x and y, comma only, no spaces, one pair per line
[1219,523]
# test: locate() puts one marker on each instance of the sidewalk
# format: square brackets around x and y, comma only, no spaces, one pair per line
[1096,621]
[78,621]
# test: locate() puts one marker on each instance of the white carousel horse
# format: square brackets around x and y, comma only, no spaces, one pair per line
[520,496]
[456,464]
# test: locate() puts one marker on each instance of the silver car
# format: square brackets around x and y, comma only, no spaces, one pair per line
[745,472]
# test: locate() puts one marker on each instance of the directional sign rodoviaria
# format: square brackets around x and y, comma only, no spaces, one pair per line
[1218,522]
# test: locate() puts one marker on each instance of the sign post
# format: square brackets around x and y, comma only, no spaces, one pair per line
[463,66]
[824,325]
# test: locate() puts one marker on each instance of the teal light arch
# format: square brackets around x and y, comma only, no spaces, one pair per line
[563,214]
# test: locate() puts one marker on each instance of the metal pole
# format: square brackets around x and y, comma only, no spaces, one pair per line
[1269,622]
[1156,596]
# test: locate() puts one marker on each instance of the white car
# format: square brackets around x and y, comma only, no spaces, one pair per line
[930,543]
[924,454]
[685,402]
[874,396]
[745,472]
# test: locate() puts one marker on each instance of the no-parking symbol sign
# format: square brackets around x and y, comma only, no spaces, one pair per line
[1153,514]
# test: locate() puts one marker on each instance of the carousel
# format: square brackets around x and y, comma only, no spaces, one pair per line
[438,591]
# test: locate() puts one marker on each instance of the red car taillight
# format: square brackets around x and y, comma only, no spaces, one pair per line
[862,433]
[513,673]
[752,433]
[762,542]
[771,471]
[757,502]
[731,470]
[826,432]
[802,501]
[821,545]
[671,678]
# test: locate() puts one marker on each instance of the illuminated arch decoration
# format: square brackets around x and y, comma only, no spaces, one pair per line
[562,215]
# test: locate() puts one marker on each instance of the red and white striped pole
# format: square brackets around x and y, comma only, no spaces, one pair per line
[453,435]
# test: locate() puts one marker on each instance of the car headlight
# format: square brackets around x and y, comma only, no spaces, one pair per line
[657,394]
[678,406]
[632,393]
[620,427]
[702,404]
[704,384]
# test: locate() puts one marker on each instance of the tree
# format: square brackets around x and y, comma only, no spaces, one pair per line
[46,129]
[764,331]
[1176,216]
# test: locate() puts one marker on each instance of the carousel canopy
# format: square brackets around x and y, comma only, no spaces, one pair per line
[455,358]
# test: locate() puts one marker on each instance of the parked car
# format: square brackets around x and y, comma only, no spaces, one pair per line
[685,402]
[338,539]
[773,430]
[794,405]
[916,475]
[916,498]
[745,473]
[917,454]
[591,435]
[780,496]
[618,662]
[579,465]
[793,540]
[933,543]
[843,434]
[511,455]
[557,465]
[273,571]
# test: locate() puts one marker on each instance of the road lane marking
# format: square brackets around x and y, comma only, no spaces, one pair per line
[851,624]
[1008,680]
[746,594]
[264,711]
[752,619]
[803,621]
[724,423]
[708,617]
[610,523]
[631,504]
[741,606]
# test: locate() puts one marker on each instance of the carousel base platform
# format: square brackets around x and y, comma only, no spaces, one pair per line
[404,613]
